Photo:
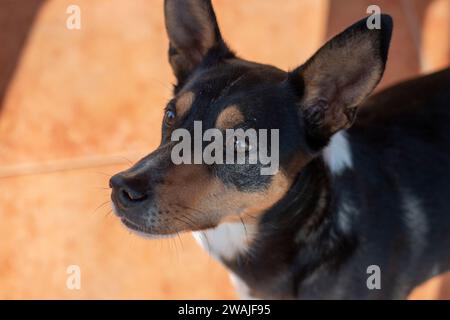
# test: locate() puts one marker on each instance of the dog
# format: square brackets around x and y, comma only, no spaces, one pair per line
[362,183]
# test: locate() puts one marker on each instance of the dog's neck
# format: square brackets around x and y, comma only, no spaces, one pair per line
[295,237]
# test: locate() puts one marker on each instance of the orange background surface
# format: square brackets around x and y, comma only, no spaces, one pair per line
[76,106]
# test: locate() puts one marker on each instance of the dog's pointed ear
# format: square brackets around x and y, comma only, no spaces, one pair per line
[339,76]
[193,31]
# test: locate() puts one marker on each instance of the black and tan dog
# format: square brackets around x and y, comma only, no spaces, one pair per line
[351,192]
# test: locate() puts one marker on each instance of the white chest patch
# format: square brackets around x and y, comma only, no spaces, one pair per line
[242,289]
[337,154]
[227,240]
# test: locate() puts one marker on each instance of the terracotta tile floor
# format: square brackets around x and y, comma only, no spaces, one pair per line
[58,222]
[77,106]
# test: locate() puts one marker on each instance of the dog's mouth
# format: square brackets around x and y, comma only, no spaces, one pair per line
[135,227]
[144,231]
[140,229]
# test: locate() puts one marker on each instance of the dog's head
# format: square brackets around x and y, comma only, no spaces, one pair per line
[161,195]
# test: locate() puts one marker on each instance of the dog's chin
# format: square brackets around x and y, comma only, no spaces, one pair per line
[142,231]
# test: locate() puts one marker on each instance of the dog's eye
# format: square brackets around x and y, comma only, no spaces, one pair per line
[169,117]
[241,145]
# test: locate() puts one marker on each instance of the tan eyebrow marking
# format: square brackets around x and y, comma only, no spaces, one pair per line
[184,103]
[229,118]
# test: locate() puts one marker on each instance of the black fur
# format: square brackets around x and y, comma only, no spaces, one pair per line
[307,246]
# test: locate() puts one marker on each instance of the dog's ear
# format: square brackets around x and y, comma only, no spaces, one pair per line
[339,76]
[193,31]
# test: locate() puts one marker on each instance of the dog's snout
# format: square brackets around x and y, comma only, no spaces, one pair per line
[128,191]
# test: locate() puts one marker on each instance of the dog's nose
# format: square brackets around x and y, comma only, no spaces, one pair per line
[128,191]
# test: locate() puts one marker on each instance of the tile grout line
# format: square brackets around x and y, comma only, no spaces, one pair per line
[66,164]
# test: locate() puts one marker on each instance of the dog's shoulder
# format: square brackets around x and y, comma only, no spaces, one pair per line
[426,96]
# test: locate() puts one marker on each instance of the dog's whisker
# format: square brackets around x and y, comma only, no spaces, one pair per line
[245,228]
[193,224]
[109,212]
[104,174]
[179,238]
[188,223]
[126,159]
[192,209]
[101,205]
[102,188]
